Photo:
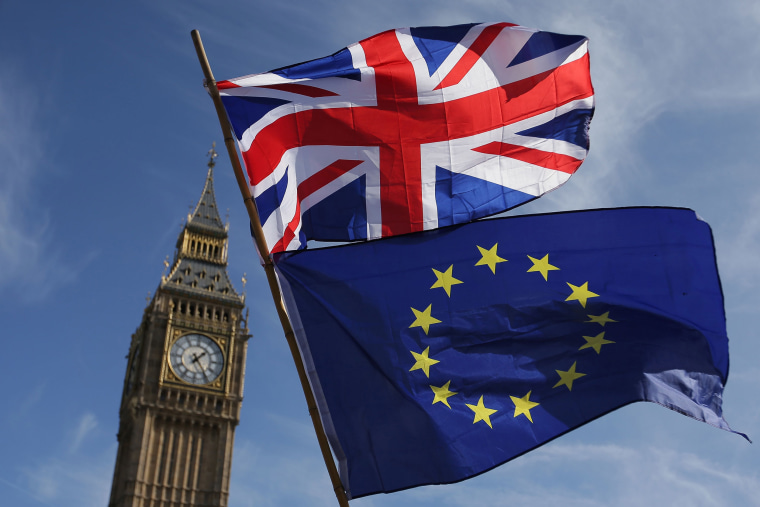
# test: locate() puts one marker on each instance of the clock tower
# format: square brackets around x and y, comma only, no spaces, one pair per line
[184,382]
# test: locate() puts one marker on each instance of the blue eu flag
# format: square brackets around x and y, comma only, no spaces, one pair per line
[439,355]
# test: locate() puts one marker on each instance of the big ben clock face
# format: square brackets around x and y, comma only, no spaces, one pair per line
[196,359]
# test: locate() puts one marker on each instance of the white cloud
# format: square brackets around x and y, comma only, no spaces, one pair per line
[75,482]
[17,416]
[87,423]
[573,475]
[598,475]
[266,476]
[77,473]
[738,251]
[32,267]
[646,63]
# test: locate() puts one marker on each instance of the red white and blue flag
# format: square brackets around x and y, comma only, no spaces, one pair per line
[410,130]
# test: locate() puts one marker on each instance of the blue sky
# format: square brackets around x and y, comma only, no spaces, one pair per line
[104,127]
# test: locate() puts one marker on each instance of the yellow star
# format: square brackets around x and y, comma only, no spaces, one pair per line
[523,405]
[601,319]
[566,378]
[489,258]
[580,294]
[423,319]
[542,266]
[595,342]
[423,362]
[445,280]
[442,393]
[481,412]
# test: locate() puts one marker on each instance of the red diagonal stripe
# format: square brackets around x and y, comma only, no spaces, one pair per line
[223,85]
[301,89]
[549,160]
[325,176]
[472,55]
[308,187]
[368,126]
[289,233]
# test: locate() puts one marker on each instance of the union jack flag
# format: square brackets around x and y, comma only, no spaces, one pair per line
[411,129]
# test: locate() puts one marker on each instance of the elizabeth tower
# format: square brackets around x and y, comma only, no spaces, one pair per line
[184,382]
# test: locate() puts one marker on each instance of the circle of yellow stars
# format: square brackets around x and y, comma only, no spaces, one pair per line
[523,405]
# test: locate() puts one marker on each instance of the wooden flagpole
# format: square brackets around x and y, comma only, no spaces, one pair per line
[261,244]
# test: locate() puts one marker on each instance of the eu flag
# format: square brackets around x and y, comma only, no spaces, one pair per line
[439,355]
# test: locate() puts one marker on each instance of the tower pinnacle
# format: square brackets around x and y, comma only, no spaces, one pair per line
[212,154]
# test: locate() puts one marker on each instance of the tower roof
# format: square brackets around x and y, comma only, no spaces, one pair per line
[195,278]
[200,261]
[206,214]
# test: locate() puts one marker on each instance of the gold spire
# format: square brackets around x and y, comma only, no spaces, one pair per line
[212,154]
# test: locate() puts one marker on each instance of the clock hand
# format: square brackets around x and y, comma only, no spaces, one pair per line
[203,370]
[196,360]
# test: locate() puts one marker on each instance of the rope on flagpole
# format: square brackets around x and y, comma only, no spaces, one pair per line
[261,245]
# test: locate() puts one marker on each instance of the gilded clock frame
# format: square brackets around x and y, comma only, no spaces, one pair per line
[169,377]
